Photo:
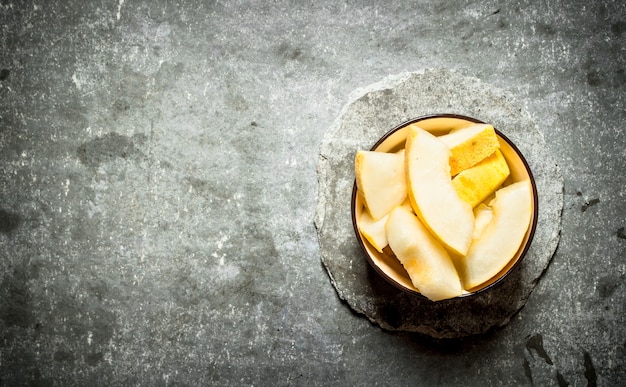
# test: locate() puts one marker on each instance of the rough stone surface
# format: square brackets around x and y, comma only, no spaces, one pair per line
[377,110]
[158,188]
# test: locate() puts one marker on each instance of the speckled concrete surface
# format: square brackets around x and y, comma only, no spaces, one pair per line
[158,186]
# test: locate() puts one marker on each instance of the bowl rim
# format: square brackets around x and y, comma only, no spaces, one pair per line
[533,225]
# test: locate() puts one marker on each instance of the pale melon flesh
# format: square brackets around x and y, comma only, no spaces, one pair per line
[373,230]
[432,194]
[502,237]
[381,181]
[482,215]
[426,261]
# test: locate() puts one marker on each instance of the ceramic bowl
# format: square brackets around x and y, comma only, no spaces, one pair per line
[385,263]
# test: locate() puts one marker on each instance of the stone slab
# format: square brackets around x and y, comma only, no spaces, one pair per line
[373,111]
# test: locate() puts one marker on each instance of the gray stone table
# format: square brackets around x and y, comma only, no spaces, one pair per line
[158,188]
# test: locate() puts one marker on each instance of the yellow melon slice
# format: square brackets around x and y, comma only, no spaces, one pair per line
[470,145]
[476,183]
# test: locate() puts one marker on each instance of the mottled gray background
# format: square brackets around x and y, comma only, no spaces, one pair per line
[158,186]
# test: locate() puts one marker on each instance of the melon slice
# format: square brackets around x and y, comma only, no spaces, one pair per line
[381,181]
[482,215]
[426,261]
[502,237]
[476,183]
[470,145]
[431,193]
[373,230]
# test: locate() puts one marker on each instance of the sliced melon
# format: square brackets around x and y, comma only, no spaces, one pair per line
[482,215]
[502,237]
[373,230]
[426,261]
[476,183]
[470,145]
[381,181]
[431,193]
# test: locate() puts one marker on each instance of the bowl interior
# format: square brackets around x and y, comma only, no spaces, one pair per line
[386,263]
